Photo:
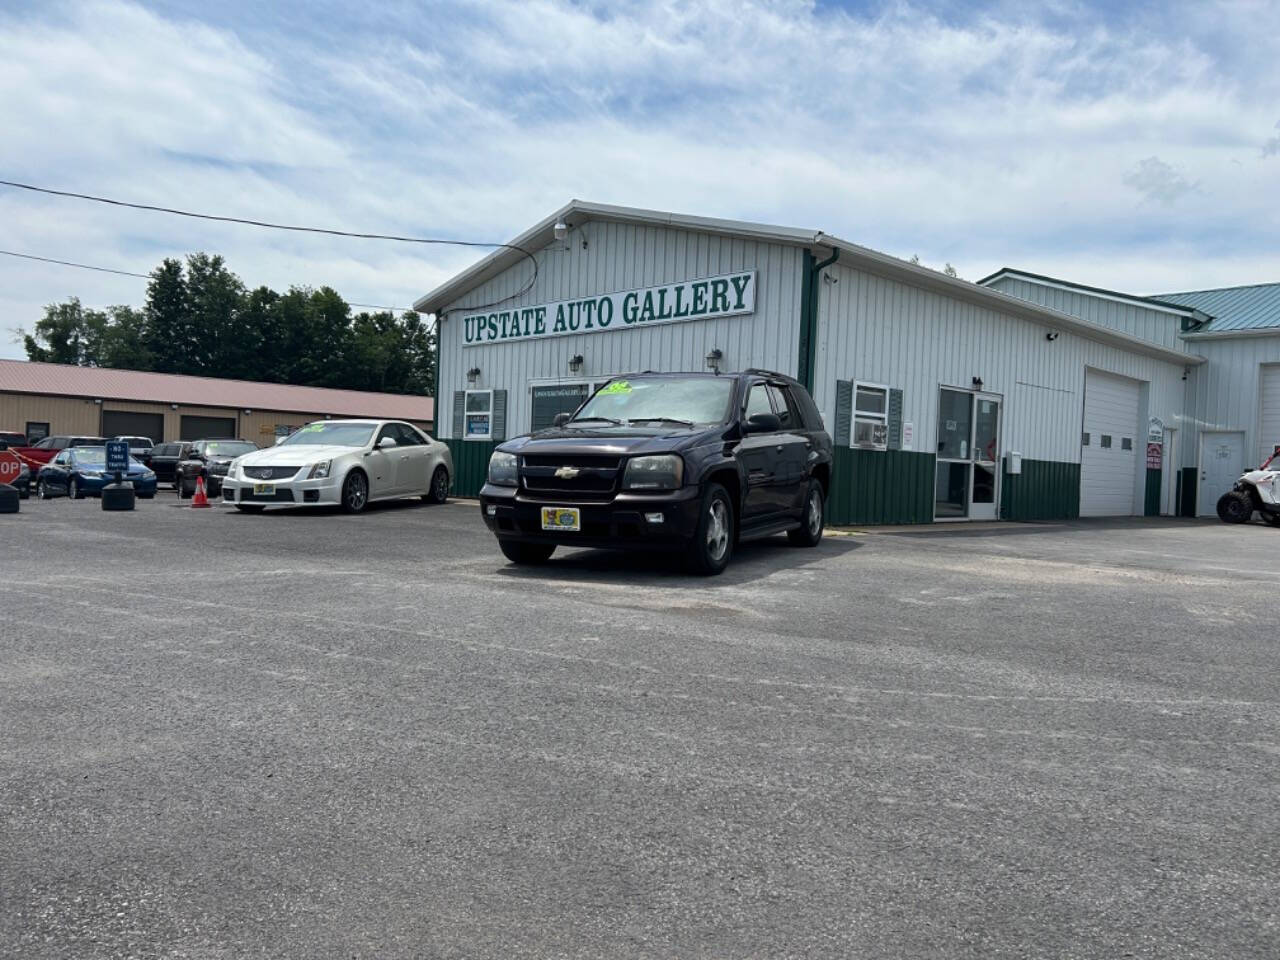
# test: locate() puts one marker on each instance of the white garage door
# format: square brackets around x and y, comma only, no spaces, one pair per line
[1270,419]
[1109,446]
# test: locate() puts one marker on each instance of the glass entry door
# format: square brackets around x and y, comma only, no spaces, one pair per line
[967,482]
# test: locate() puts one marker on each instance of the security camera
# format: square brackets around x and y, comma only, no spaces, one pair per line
[561,229]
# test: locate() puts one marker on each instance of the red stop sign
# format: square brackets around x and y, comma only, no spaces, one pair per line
[10,466]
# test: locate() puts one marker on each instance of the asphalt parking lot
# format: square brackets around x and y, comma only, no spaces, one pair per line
[314,735]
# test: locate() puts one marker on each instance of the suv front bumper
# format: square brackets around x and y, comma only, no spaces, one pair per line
[628,521]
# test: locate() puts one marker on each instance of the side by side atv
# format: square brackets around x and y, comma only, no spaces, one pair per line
[1256,490]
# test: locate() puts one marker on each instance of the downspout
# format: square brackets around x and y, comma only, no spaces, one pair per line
[435,389]
[809,316]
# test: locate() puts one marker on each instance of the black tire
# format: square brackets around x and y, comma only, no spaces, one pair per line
[439,486]
[73,489]
[712,545]
[809,533]
[250,507]
[1235,506]
[42,492]
[180,485]
[526,553]
[355,492]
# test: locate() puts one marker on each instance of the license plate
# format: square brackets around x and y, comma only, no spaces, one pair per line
[264,489]
[568,519]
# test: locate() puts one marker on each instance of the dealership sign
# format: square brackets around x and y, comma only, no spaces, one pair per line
[725,296]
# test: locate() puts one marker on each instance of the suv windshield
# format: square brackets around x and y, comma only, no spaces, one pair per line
[331,434]
[660,399]
[228,448]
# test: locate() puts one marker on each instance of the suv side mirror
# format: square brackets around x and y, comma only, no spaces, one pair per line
[561,419]
[762,423]
[386,442]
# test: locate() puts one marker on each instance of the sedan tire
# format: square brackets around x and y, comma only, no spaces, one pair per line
[439,486]
[42,492]
[73,489]
[355,492]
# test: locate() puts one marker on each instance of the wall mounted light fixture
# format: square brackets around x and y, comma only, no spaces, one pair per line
[575,363]
[977,383]
[473,376]
[715,359]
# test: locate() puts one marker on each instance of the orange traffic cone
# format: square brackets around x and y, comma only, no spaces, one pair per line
[200,500]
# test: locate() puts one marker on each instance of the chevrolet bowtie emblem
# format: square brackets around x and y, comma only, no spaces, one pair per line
[567,473]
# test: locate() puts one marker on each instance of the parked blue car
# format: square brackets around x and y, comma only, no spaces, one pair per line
[79,471]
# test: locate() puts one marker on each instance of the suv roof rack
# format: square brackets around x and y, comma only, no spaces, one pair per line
[768,373]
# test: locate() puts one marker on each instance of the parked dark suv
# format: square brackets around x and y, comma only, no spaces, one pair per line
[209,459]
[689,462]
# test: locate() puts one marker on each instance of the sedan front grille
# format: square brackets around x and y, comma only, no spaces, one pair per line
[269,473]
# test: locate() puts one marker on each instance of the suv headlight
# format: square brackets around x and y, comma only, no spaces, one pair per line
[653,473]
[503,471]
[320,470]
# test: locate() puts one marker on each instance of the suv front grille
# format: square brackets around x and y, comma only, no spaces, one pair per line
[571,475]
[269,473]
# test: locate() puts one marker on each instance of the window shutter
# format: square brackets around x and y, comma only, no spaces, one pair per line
[459,414]
[844,412]
[895,419]
[499,415]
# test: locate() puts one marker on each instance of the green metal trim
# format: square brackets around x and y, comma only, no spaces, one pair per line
[1187,492]
[1151,503]
[470,464]
[1045,490]
[881,486]
[808,345]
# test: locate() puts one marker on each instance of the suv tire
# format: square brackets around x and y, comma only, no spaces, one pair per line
[1235,506]
[814,518]
[526,553]
[712,545]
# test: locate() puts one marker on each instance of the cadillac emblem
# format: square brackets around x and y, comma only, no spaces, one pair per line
[567,473]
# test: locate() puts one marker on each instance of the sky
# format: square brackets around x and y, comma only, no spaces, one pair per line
[1124,145]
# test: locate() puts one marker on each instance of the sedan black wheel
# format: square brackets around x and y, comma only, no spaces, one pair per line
[73,489]
[809,533]
[355,492]
[712,544]
[42,492]
[439,486]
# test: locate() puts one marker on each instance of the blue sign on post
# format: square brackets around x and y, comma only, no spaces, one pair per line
[117,456]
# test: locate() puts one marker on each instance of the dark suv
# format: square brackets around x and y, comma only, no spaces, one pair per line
[209,459]
[689,462]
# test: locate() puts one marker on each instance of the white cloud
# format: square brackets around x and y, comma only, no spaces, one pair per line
[1001,138]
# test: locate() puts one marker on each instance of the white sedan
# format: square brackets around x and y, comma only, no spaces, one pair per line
[347,462]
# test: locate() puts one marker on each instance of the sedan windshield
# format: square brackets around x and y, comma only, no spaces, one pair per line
[228,448]
[331,435]
[679,400]
[91,456]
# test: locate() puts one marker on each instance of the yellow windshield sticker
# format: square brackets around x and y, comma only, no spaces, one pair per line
[618,386]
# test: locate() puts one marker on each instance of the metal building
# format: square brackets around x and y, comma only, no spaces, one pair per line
[946,399]
[1229,417]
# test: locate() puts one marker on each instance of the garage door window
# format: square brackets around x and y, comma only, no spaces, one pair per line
[1106,441]
[479,409]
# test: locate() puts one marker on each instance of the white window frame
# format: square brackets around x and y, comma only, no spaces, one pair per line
[467,414]
[867,417]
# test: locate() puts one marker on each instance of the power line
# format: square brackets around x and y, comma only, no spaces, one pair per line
[295,229]
[145,276]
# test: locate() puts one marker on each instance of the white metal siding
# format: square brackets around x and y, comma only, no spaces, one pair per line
[623,257]
[1226,392]
[1269,412]
[1157,326]
[884,331]
[1108,474]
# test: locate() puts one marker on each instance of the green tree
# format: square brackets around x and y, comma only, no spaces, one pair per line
[167,332]
[215,301]
[60,335]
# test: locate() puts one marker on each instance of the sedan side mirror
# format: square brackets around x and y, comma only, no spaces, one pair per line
[762,423]
[561,419]
[386,442]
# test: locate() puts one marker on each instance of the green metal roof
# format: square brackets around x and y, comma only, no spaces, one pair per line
[1233,308]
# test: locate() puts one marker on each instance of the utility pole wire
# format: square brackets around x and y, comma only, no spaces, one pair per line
[293,228]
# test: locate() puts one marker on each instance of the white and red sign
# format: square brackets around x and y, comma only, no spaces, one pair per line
[10,466]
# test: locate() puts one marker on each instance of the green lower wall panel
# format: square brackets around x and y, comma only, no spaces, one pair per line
[1187,492]
[1045,490]
[1151,505]
[881,486]
[470,465]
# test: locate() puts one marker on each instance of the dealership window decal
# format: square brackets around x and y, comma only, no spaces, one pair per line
[870,415]
[479,414]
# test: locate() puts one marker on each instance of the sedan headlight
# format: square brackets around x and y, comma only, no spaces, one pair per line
[502,470]
[320,470]
[653,473]
[148,475]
